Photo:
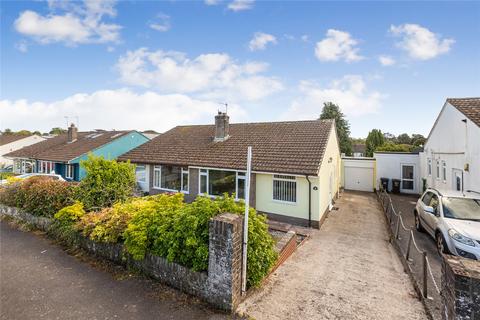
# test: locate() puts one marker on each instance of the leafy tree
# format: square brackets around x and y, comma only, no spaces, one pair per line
[390,137]
[395,147]
[38,133]
[404,138]
[418,140]
[8,131]
[374,140]
[358,140]
[57,130]
[332,111]
[106,183]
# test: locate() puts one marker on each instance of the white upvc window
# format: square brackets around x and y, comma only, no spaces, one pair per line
[216,182]
[45,166]
[429,161]
[141,173]
[438,169]
[170,178]
[284,188]
[69,171]
[444,171]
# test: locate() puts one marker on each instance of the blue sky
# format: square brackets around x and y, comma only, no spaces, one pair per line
[154,65]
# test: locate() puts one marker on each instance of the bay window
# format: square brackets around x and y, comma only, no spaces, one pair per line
[170,178]
[217,182]
[284,188]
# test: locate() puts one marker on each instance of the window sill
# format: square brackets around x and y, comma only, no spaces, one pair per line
[285,202]
[214,197]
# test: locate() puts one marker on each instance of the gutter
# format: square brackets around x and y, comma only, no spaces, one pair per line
[309,202]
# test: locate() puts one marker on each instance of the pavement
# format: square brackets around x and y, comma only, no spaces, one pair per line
[39,280]
[346,270]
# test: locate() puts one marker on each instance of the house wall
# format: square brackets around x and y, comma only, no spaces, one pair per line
[389,165]
[458,144]
[114,149]
[9,147]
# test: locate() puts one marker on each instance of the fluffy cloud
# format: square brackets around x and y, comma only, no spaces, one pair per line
[240,5]
[386,60]
[212,2]
[419,42]
[162,23]
[119,109]
[350,93]
[338,45]
[260,41]
[78,23]
[213,75]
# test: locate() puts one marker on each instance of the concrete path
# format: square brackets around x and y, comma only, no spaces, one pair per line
[346,270]
[38,280]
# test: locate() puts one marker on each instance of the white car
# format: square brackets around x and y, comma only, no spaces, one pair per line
[452,218]
[29,175]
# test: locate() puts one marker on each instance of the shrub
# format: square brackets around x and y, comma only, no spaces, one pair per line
[62,227]
[395,147]
[70,214]
[45,197]
[106,182]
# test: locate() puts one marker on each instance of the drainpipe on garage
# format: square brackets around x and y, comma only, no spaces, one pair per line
[309,202]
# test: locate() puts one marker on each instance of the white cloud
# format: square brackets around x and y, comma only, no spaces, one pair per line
[78,23]
[260,41]
[162,24]
[386,60]
[213,75]
[419,42]
[212,2]
[240,5]
[350,93]
[21,46]
[338,45]
[304,38]
[119,109]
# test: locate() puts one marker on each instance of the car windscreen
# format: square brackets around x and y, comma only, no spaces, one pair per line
[461,208]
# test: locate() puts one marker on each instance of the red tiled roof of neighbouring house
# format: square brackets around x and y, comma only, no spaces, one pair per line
[294,147]
[470,107]
[9,138]
[59,149]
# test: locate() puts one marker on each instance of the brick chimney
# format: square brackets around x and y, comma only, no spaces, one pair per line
[222,126]
[72,133]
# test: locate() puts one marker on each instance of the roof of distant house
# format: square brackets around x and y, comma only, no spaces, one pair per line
[359,148]
[470,107]
[294,147]
[9,138]
[59,149]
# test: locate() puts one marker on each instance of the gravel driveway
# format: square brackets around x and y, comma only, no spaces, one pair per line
[346,270]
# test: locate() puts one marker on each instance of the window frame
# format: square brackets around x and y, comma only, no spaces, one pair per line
[438,170]
[185,171]
[69,171]
[45,164]
[145,169]
[158,169]
[444,171]
[205,172]
[291,179]
[429,164]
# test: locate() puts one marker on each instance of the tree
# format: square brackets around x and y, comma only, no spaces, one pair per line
[395,147]
[38,133]
[8,131]
[404,138]
[374,140]
[57,130]
[390,137]
[418,140]
[23,133]
[332,111]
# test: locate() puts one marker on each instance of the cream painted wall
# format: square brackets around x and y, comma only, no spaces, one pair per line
[265,203]
[9,147]
[331,165]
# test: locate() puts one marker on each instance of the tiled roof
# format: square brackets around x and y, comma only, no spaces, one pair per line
[470,107]
[58,149]
[295,147]
[359,148]
[9,138]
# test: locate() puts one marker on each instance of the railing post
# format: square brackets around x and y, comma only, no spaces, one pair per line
[425,279]
[407,255]
[397,229]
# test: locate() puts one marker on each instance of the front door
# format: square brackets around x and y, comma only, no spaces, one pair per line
[408,178]
[457,180]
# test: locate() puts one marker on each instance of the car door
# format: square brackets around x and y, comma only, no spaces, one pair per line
[422,213]
[431,219]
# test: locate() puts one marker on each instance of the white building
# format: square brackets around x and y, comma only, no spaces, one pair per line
[13,142]
[403,166]
[451,158]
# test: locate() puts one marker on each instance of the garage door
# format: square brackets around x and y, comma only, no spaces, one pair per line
[358,178]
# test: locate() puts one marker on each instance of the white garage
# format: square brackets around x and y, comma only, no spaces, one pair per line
[358,174]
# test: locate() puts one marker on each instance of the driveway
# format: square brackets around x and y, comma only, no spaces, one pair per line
[38,280]
[346,270]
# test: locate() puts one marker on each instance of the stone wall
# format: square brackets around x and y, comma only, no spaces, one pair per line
[220,286]
[460,288]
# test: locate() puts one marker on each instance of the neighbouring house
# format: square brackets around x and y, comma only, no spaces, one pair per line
[359,150]
[62,154]
[451,158]
[403,166]
[295,165]
[12,142]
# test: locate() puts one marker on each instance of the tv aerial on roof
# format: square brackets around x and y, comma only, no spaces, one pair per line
[225,105]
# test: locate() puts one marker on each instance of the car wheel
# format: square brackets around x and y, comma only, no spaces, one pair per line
[418,223]
[441,245]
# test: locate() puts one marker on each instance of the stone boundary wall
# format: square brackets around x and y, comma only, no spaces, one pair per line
[220,286]
[460,288]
